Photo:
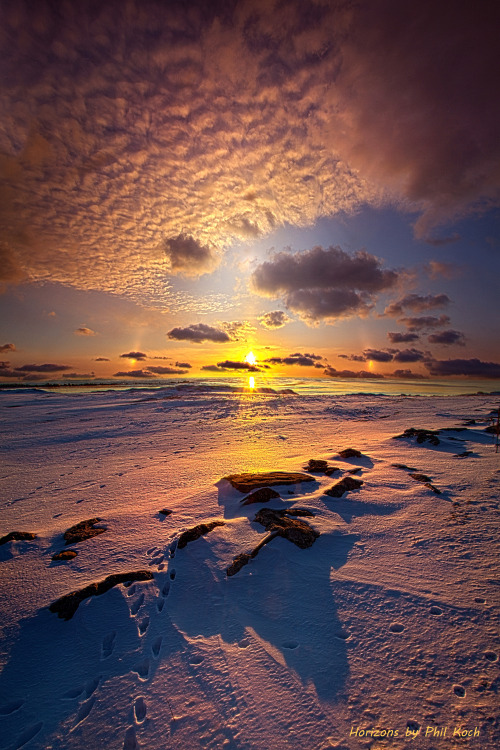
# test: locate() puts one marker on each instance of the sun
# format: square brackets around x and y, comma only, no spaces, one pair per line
[251,358]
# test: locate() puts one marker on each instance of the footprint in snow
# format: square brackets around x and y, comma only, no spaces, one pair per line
[137,605]
[130,741]
[160,604]
[195,660]
[436,611]
[140,710]
[291,644]
[342,635]
[491,656]
[165,590]
[396,627]
[156,646]
[142,670]
[459,691]
[108,645]
[10,708]
[28,734]
[480,600]
[152,550]
[244,643]
[91,686]
[172,575]
[131,590]
[84,711]
[143,625]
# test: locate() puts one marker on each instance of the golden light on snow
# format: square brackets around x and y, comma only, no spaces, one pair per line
[251,358]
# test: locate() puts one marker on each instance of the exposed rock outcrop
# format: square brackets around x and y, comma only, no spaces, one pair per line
[66,554]
[350,453]
[200,530]
[260,496]
[422,436]
[321,466]
[83,530]
[248,481]
[165,512]
[425,481]
[345,484]
[66,606]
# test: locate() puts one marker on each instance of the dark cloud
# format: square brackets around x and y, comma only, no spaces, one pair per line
[274,319]
[189,257]
[84,331]
[321,284]
[198,332]
[79,375]
[301,360]
[183,365]
[101,359]
[231,365]
[417,303]
[6,371]
[353,357]
[377,355]
[7,348]
[213,368]
[474,368]
[162,370]
[42,368]
[134,374]
[425,322]
[396,337]
[409,355]
[134,355]
[408,375]
[447,337]
[333,373]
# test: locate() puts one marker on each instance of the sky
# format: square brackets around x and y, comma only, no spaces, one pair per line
[184,183]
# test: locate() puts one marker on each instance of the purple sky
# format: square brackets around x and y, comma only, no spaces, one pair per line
[316,182]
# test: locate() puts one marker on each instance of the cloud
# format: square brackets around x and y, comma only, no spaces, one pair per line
[274,319]
[396,337]
[377,355]
[303,360]
[321,284]
[7,348]
[417,303]
[409,355]
[333,373]
[183,365]
[425,322]
[238,330]
[407,374]
[161,370]
[213,368]
[134,355]
[42,368]
[189,257]
[436,268]
[468,367]
[84,331]
[231,365]
[79,375]
[101,359]
[447,337]
[6,371]
[198,332]
[134,374]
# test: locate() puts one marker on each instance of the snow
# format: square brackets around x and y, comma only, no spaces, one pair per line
[387,625]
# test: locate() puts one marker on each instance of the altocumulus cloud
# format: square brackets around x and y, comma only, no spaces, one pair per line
[84,331]
[274,319]
[198,332]
[323,284]
[128,155]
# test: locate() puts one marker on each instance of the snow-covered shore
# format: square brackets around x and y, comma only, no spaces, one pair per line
[384,627]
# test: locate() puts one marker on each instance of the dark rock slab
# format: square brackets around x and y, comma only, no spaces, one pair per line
[66,606]
[464,454]
[422,436]
[403,466]
[358,470]
[350,453]
[83,530]
[426,481]
[200,530]
[66,554]
[317,464]
[17,536]
[278,523]
[248,481]
[165,512]
[260,496]
[345,484]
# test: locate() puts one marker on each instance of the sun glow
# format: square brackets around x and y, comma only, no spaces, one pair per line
[251,382]
[251,358]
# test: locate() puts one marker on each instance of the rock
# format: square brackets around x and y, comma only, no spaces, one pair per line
[345,484]
[492,429]
[278,524]
[83,530]
[350,453]
[426,481]
[432,487]
[66,606]
[191,534]
[260,496]
[355,471]
[403,466]
[165,512]
[465,454]
[66,554]
[331,470]
[17,536]
[298,532]
[422,435]
[248,481]
[316,464]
